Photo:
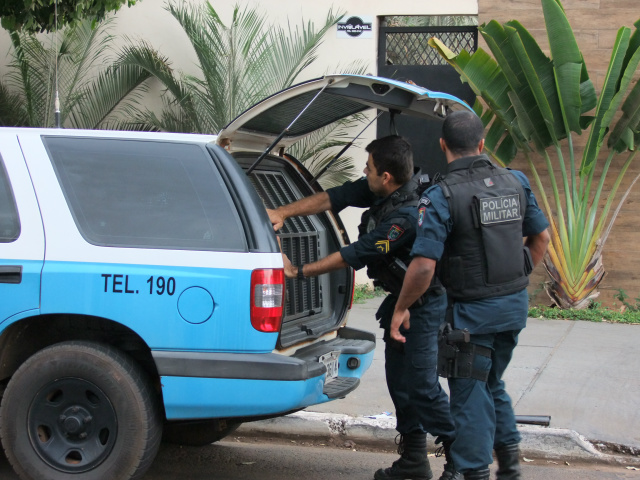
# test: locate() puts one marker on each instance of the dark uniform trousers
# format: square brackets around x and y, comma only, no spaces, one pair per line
[477,406]
[420,402]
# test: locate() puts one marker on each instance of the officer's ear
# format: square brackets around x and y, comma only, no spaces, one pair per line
[443,146]
[386,178]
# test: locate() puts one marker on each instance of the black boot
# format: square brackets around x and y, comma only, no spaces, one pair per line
[449,473]
[412,464]
[508,462]
[477,474]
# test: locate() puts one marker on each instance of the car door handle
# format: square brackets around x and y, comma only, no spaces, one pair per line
[10,273]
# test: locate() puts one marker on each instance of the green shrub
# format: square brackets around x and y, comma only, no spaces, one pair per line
[595,313]
[365,292]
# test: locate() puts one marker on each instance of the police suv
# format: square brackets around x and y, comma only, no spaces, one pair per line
[142,289]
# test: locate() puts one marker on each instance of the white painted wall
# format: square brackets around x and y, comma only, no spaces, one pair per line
[148,20]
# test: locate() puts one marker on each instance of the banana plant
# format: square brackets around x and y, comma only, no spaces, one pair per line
[536,106]
[75,62]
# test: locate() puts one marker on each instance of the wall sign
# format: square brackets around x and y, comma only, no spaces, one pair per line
[355,26]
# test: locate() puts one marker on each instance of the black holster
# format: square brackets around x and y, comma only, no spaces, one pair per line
[456,354]
[389,274]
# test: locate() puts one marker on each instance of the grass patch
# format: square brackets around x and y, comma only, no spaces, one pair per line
[595,313]
[365,292]
[628,313]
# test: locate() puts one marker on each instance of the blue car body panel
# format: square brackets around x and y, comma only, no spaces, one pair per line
[129,295]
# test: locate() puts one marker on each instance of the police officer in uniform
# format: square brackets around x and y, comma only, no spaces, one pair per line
[473,223]
[386,235]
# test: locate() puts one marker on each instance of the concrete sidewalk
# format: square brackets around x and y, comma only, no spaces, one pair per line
[585,375]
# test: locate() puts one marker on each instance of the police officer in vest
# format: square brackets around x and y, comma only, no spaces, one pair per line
[473,223]
[386,235]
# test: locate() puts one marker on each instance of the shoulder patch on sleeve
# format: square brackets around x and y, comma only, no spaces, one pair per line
[395,232]
[421,213]
[424,201]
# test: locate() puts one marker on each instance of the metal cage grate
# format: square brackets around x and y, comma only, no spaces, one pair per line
[408,46]
[299,239]
[303,297]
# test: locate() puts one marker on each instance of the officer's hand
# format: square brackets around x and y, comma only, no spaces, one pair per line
[289,270]
[277,219]
[400,317]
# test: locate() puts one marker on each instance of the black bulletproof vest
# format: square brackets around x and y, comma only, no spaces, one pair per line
[407,195]
[484,255]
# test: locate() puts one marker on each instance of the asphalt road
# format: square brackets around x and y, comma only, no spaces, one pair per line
[267,459]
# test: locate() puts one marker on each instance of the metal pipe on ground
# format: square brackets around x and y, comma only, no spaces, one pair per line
[543,420]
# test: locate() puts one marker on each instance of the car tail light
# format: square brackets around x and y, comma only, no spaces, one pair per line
[267,298]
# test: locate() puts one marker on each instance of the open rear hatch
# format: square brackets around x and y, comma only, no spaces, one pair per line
[257,139]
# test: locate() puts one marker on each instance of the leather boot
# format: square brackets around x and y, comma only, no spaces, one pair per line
[477,474]
[508,462]
[449,473]
[412,464]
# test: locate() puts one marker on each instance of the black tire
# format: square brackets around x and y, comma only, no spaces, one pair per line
[198,433]
[83,410]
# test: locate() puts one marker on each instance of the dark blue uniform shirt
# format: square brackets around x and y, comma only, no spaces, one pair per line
[488,315]
[392,233]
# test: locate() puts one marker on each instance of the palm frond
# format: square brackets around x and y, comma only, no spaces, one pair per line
[12,111]
[103,98]
[293,50]
[28,78]
[145,57]
[83,46]
[76,64]
[316,150]
[240,63]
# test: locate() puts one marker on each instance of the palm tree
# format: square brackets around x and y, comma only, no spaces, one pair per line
[535,105]
[90,96]
[239,64]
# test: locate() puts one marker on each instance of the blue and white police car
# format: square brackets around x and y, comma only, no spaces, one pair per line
[142,288]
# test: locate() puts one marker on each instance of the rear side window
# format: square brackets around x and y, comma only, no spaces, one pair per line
[145,194]
[9,221]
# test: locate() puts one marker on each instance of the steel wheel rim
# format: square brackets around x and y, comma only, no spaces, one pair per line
[72,425]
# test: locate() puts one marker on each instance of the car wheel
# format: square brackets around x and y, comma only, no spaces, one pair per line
[198,433]
[83,410]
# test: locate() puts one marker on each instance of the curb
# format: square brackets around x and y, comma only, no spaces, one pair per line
[375,432]
[537,442]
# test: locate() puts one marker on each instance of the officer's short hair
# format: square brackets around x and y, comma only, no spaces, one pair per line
[392,154]
[462,131]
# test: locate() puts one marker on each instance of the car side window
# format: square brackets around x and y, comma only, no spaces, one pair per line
[9,220]
[145,194]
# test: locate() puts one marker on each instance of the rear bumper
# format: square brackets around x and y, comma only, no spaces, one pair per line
[215,385]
